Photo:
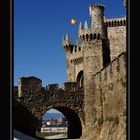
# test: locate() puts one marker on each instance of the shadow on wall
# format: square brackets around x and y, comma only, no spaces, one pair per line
[106,53]
[23,120]
[74,122]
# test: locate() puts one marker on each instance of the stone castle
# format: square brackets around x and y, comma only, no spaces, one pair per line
[94,98]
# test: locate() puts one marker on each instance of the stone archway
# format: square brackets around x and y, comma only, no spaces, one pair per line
[80,78]
[74,122]
[37,100]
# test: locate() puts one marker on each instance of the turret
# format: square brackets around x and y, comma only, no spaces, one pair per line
[98,28]
[67,43]
[86,29]
[80,30]
[97,19]
[65,40]
[77,48]
[77,43]
[86,26]
[74,57]
[84,33]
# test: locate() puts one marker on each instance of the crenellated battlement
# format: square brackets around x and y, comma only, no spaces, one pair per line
[77,60]
[87,34]
[32,85]
[73,49]
[97,24]
[52,88]
[83,30]
[115,22]
[96,5]
[90,37]
[76,48]
[71,86]
[67,87]
[28,85]
[67,43]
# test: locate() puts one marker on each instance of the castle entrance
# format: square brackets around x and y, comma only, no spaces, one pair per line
[74,123]
[80,78]
[74,126]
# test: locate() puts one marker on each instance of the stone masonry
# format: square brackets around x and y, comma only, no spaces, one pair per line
[95,94]
[38,100]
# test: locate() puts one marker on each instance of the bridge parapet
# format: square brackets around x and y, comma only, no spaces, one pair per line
[29,85]
[52,88]
[37,99]
[71,86]
[67,87]
[33,86]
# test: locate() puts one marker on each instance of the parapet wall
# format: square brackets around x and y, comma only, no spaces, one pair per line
[117,40]
[38,99]
[116,33]
[29,85]
[114,22]
[69,101]
[110,88]
[107,113]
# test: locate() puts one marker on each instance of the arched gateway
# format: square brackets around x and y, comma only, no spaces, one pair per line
[37,100]
[74,121]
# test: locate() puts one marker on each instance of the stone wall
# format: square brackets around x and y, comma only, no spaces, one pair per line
[23,120]
[74,65]
[69,100]
[30,84]
[106,107]
[110,88]
[92,63]
[117,40]
[101,103]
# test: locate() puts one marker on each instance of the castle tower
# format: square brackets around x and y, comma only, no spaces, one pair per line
[94,41]
[74,60]
[97,19]
[95,54]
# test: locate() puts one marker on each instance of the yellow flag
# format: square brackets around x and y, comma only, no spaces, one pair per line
[73,21]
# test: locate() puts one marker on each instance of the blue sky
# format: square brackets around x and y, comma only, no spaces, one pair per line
[38,29]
